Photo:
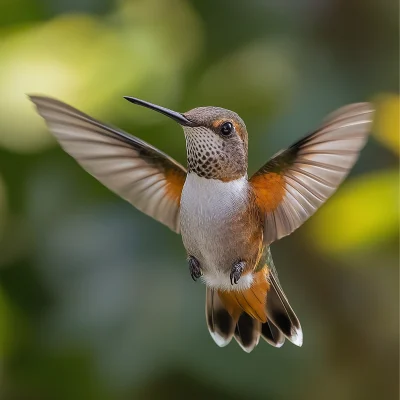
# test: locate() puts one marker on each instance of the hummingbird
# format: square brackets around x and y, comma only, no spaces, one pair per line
[227,219]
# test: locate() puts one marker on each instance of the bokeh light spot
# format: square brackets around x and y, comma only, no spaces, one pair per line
[364,213]
[387,120]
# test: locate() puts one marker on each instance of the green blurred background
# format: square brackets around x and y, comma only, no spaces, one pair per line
[96,301]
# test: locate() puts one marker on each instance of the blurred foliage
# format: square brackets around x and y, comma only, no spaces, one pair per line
[74,56]
[387,121]
[5,329]
[95,298]
[349,228]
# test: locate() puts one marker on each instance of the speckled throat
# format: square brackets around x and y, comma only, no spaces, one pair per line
[212,157]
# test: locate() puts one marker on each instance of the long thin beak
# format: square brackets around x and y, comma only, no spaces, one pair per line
[178,117]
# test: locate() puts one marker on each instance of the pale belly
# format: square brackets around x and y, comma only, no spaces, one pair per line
[211,230]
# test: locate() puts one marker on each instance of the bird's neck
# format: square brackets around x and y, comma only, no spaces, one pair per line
[211,160]
[221,169]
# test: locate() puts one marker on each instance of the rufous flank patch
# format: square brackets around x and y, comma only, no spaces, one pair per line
[269,189]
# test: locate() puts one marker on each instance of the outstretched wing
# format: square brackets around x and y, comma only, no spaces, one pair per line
[130,167]
[292,185]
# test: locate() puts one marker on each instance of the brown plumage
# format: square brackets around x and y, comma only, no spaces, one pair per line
[251,301]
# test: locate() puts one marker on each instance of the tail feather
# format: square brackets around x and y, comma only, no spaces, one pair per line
[221,324]
[272,335]
[281,313]
[262,310]
[247,332]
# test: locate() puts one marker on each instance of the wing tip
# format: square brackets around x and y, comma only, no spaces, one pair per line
[351,110]
[42,102]
[35,98]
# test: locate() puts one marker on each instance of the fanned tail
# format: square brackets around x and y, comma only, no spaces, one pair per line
[262,310]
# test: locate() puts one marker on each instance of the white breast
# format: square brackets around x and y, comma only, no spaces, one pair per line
[208,207]
[212,198]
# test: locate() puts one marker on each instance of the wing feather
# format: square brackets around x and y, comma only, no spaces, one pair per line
[296,182]
[130,167]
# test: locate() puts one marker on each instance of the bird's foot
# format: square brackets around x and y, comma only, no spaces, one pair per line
[237,271]
[194,268]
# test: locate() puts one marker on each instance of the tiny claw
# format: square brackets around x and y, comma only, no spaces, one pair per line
[236,272]
[194,268]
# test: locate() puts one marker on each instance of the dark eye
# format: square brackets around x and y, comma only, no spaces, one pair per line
[226,128]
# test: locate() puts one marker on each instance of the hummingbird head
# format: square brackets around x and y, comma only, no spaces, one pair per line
[216,140]
[216,143]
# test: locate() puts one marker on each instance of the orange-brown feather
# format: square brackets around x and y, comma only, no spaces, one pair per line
[175,181]
[269,189]
[252,301]
[217,122]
